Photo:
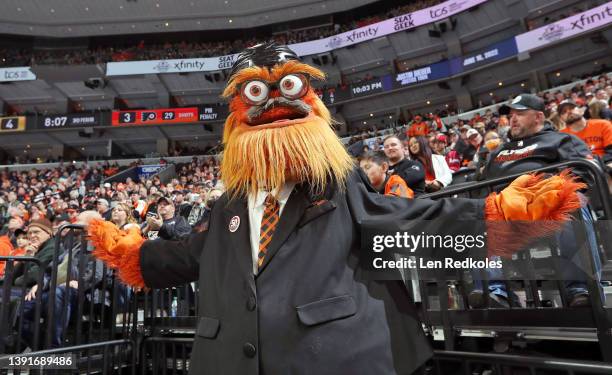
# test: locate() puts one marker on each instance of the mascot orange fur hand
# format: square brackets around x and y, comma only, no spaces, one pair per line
[529,207]
[119,249]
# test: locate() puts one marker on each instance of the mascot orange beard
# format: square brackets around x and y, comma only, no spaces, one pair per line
[271,139]
[279,131]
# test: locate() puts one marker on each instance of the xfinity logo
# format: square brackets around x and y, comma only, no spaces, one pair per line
[586,20]
[191,65]
[356,35]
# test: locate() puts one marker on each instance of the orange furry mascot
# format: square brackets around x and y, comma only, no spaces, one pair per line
[281,291]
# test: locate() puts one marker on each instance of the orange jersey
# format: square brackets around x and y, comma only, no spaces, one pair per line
[418,129]
[597,135]
[396,186]
[6,249]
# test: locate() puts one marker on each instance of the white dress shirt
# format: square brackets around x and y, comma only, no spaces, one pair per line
[256,211]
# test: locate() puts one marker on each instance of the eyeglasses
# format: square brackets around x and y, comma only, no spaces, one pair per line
[292,86]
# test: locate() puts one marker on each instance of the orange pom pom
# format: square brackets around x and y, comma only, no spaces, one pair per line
[119,249]
[530,207]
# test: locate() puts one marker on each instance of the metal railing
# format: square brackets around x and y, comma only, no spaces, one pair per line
[469,363]
[455,318]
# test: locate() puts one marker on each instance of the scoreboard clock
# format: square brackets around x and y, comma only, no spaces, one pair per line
[68,121]
[155,116]
[12,124]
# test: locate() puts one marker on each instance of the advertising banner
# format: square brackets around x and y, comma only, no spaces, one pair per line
[495,52]
[79,120]
[362,34]
[21,73]
[169,66]
[571,26]
[146,171]
[431,72]
[386,27]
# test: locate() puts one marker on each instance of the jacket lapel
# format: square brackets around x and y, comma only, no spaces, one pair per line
[292,213]
[240,239]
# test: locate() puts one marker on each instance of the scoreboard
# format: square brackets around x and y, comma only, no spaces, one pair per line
[68,121]
[12,124]
[155,116]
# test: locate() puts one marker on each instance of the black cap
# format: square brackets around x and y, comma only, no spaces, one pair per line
[523,102]
[164,199]
[566,104]
[264,55]
[61,217]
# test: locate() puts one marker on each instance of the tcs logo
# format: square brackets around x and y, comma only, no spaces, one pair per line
[438,12]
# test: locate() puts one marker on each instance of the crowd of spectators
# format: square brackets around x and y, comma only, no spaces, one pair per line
[61,193]
[584,110]
[187,49]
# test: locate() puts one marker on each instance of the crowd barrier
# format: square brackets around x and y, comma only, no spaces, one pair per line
[113,329]
[468,363]
[546,315]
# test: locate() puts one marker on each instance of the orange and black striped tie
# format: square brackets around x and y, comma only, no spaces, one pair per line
[268,225]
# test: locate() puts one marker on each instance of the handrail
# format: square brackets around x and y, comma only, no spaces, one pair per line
[75,348]
[591,367]
[597,172]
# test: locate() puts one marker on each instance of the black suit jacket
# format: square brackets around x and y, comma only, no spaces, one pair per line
[311,309]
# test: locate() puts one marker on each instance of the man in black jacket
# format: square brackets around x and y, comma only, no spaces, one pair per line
[167,223]
[535,144]
[412,171]
[182,208]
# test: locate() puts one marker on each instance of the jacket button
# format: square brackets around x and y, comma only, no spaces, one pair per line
[249,350]
[251,304]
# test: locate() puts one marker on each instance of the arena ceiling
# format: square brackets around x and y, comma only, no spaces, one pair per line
[73,18]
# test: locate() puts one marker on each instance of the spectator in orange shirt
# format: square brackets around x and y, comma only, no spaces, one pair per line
[418,128]
[596,133]
[375,165]
[7,249]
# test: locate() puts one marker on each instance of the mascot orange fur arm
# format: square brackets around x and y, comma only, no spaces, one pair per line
[280,126]
[120,249]
[530,206]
